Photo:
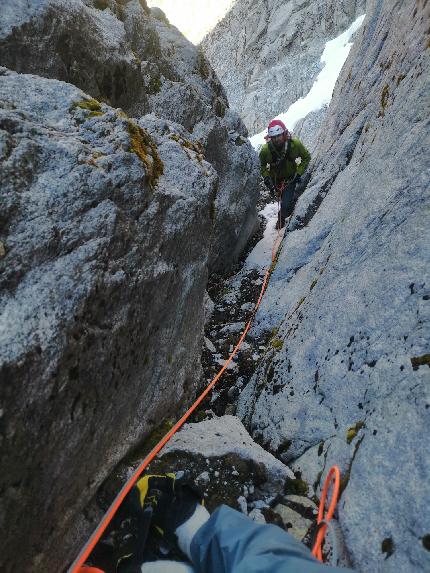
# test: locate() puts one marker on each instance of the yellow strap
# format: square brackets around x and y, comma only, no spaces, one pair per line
[142,485]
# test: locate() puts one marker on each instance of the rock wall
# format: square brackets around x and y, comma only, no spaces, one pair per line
[122,53]
[104,251]
[308,128]
[267,52]
[120,189]
[348,381]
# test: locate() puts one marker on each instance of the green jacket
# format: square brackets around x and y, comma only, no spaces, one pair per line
[281,164]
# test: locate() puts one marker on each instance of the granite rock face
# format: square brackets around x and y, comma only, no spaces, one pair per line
[308,128]
[105,239]
[108,227]
[267,52]
[122,53]
[349,382]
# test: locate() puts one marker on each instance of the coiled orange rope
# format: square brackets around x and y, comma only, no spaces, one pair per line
[332,476]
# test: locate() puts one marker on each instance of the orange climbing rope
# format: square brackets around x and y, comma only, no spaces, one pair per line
[332,476]
[76,566]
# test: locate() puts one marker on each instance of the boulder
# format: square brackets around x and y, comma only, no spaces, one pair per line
[122,53]
[348,383]
[105,237]
[222,459]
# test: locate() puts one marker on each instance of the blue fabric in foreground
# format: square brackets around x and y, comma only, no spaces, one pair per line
[230,542]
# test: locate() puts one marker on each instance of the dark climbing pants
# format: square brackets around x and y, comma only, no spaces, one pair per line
[287,201]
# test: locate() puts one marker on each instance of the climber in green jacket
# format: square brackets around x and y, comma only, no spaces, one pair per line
[283,160]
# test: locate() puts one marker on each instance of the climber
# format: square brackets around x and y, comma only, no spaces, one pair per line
[283,160]
[226,541]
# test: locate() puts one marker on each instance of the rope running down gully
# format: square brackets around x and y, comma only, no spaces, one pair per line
[76,566]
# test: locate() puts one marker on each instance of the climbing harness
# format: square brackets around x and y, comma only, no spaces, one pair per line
[78,565]
[278,158]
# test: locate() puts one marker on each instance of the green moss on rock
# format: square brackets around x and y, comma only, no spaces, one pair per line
[196,147]
[101,4]
[353,431]
[143,146]
[89,105]
[276,343]
[384,96]
[400,78]
[200,415]
[296,487]
[219,108]
[418,361]
[137,59]
[202,66]
[153,438]
[95,114]
[344,480]
[154,86]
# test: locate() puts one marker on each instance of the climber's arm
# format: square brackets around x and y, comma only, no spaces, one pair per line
[230,542]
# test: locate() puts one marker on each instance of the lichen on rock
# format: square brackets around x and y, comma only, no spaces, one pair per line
[145,148]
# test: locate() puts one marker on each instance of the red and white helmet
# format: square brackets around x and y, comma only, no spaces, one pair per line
[276,127]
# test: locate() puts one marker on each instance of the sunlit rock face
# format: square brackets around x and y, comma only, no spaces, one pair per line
[122,53]
[350,299]
[267,52]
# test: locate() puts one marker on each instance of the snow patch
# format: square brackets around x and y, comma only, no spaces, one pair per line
[261,255]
